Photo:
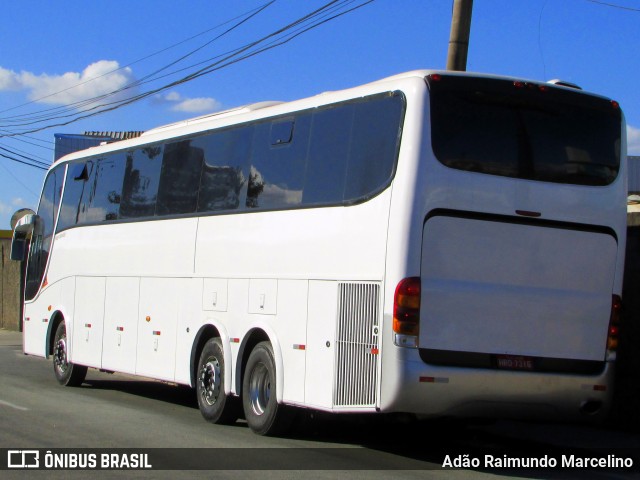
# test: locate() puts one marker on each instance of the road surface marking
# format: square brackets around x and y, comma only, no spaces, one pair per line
[17,407]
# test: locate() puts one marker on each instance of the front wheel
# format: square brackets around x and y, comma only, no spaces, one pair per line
[67,373]
[215,406]
[261,409]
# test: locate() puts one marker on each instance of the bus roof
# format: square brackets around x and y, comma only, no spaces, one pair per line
[259,110]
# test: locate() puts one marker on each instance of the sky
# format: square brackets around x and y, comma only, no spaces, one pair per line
[54,56]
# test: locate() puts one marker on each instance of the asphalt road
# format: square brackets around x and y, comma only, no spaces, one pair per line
[125,412]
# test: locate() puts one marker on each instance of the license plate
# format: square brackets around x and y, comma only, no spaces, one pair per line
[511,362]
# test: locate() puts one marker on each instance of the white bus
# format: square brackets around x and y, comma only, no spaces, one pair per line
[433,243]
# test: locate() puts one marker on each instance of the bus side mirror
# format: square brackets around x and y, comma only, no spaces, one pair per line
[22,230]
[18,247]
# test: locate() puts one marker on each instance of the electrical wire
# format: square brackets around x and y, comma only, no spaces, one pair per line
[14,155]
[8,157]
[73,107]
[540,49]
[622,7]
[249,12]
[17,151]
[17,179]
[48,143]
[275,39]
[45,114]
[32,161]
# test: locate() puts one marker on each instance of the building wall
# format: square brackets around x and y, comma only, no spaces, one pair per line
[10,283]
[68,143]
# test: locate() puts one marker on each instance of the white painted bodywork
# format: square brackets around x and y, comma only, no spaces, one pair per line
[529,286]
[281,272]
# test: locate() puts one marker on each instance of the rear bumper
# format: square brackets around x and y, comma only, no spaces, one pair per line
[410,385]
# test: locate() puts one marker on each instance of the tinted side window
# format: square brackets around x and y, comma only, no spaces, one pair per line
[180,178]
[50,201]
[353,149]
[141,179]
[225,171]
[43,232]
[80,178]
[328,155]
[278,163]
[374,143]
[106,190]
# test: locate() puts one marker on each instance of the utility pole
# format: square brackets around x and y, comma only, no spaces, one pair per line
[459,38]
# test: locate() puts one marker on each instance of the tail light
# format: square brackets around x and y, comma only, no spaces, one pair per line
[406,311]
[614,324]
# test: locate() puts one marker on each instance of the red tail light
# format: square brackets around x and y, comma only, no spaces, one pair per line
[614,323]
[406,307]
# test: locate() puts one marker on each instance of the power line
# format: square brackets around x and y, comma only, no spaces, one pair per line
[312,20]
[249,12]
[73,107]
[34,157]
[544,64]
[615,6]
[29,159]
[46,114]
[57,112]
[21,161]
[36,195]
[16,155]
[46,142]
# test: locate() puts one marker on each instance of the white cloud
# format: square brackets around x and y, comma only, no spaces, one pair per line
[172,97]
[191,105]
[633,140]
[9,80]
[198,105]
[97,79]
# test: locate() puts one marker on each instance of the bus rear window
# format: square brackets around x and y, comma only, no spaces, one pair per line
[523,130]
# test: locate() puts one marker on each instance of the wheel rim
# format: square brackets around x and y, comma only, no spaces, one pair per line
[60,355]
[210,381]
[259,388]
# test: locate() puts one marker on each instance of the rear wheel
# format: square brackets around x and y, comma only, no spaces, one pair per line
[67,373]
[261,409]
[215,406]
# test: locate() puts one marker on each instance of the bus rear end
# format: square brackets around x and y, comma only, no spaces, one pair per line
[511,299]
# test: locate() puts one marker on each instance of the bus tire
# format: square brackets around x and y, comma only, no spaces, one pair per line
[215,406]
[261,409]
[67,374]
